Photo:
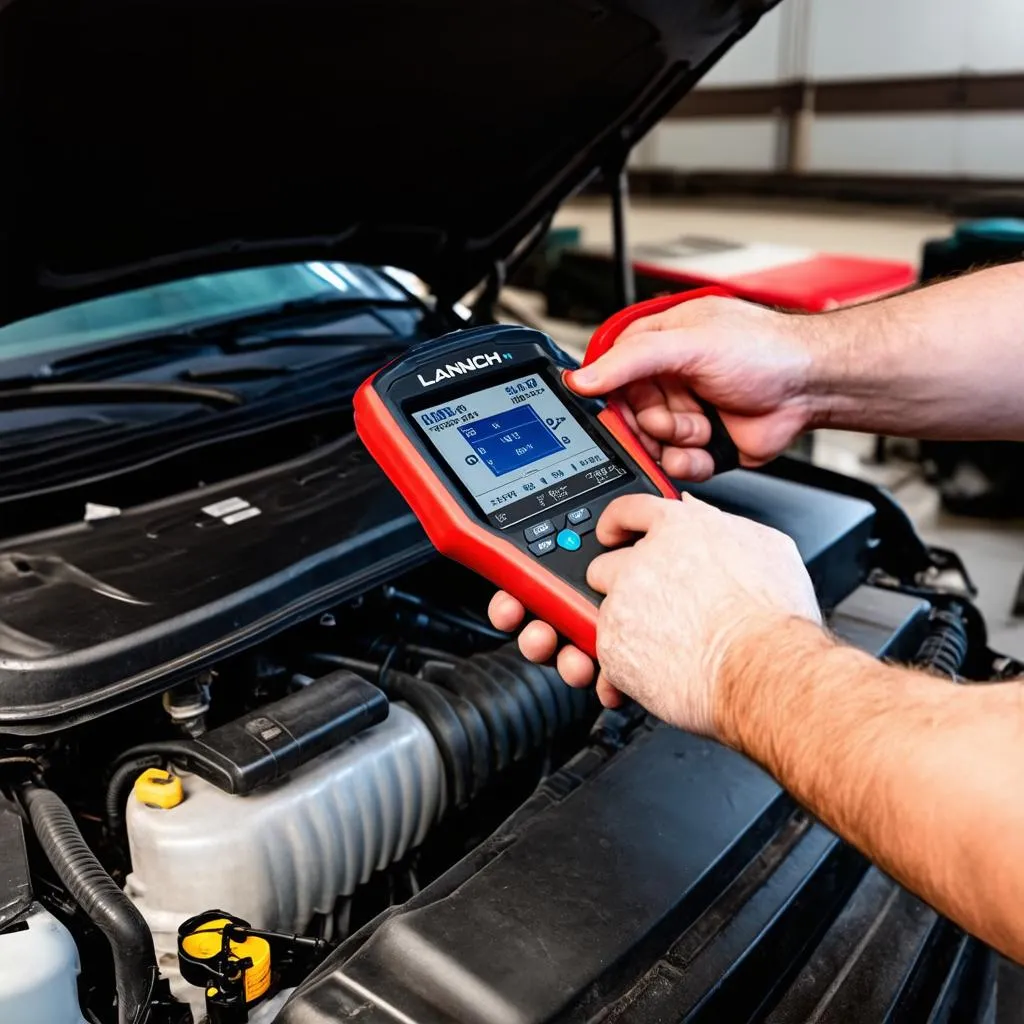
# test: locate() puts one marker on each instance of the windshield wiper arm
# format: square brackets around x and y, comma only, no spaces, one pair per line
[34,396]
[223,336]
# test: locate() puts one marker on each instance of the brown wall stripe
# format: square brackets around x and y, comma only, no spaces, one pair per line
[960,196]
[752,101]
[867,96]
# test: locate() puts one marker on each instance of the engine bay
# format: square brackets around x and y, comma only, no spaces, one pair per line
[356,734]
[294,730]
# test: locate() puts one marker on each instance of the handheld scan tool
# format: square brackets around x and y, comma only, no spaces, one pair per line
[506,468]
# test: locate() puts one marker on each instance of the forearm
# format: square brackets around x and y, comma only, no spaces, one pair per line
[924,776]
[945,361]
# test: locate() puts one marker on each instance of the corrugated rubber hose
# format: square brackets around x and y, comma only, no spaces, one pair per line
[99,897]
[485,712]
[944,648]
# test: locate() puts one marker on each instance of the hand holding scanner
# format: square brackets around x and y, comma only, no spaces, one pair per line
[721,446]
[506,468]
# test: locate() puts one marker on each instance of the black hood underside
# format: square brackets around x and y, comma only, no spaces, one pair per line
[150,140]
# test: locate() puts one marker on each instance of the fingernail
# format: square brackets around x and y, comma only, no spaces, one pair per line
[583,377]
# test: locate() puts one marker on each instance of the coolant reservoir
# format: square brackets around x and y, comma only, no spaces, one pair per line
[38,972]
[290,849]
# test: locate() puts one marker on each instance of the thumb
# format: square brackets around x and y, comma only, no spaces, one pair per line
[640,357]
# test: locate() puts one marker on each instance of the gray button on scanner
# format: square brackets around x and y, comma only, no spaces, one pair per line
[539,530]
[544,546]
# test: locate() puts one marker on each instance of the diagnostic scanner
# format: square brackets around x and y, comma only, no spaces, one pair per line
[507,469]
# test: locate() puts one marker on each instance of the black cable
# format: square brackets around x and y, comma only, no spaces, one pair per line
[115,915]
[517,315]
[483,307]
[385,665]
[449,618]
[183,752]
[529,246]
[625,279]
[120,786]
[318,660]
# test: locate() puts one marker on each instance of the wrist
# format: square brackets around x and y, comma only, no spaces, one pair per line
[824,339]
[761,682]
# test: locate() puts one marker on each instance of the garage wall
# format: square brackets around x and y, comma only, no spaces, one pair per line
[954,118]
[761,56]
[893,38]
[949,145]
[736,144]
[916,38]
[733,143]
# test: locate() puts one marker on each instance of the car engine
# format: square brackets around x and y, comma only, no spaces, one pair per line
[312,779]
[263,758]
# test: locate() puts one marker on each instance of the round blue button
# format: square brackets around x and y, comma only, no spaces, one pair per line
[569,539]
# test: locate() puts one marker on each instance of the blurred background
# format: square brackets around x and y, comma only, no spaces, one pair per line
[879,98]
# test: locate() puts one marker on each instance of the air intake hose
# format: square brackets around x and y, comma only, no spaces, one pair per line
[485,712]
[525,706]
[944,648]
[98,895]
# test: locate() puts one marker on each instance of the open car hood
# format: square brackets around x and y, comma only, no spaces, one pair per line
[148,141]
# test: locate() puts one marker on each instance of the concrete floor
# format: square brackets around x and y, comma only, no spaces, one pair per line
[855,230]
[993,552]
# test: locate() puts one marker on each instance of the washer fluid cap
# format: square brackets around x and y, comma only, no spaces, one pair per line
[158,788]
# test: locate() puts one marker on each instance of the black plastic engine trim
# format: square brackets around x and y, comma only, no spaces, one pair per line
[100,614]
[669,880]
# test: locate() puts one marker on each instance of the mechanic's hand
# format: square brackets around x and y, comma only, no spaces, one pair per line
[750,362]
[696,583]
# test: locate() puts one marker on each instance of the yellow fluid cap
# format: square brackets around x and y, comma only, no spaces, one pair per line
[157,788]
[205,942]
[257,978]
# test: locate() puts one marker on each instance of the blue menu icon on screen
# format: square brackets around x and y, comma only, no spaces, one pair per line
[510,440]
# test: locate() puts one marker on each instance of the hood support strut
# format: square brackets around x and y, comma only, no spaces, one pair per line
[618,189]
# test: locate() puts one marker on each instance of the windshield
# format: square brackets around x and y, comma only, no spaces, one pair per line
[168,307]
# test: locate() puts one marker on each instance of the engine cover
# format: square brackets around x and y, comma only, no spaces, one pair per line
[571,901]
[163,590]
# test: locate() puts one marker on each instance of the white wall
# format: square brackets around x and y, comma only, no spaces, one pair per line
[995,36]
[897,38]
[992,145]
[757,58]
[738,144]
[952,145]
[848,39]
[868,38]
[890,38]
[896,145]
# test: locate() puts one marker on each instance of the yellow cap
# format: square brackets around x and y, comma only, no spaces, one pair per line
[157,788]
[206,941]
